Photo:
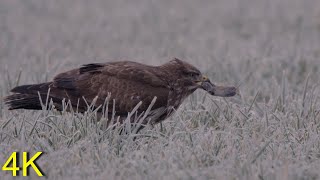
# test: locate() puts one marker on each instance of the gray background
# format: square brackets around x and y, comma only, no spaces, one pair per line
[270,47]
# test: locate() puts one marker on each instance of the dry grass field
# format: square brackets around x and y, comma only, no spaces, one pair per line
[270,48]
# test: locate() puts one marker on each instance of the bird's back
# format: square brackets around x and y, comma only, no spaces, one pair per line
[125,83]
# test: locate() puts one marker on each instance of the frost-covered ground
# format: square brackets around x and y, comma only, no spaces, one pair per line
[270,48]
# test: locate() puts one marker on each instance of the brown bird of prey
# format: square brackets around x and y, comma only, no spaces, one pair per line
[125,84]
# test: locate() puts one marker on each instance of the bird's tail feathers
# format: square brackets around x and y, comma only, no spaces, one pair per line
[28,96]
[23,101]
[32,89]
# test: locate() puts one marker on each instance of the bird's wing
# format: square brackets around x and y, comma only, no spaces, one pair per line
[128,83]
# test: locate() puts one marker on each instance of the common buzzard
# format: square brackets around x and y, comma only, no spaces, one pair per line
[124,84]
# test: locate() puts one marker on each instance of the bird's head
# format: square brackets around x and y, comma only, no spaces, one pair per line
[191,78]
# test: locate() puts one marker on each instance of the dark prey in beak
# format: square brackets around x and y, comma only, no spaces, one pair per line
[222,91]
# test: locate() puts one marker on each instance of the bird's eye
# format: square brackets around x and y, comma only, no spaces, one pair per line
[193,74]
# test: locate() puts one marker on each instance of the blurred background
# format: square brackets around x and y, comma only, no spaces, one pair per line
[269,47]
[233,37]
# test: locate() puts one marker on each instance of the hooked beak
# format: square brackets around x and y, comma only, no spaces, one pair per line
[212,89]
